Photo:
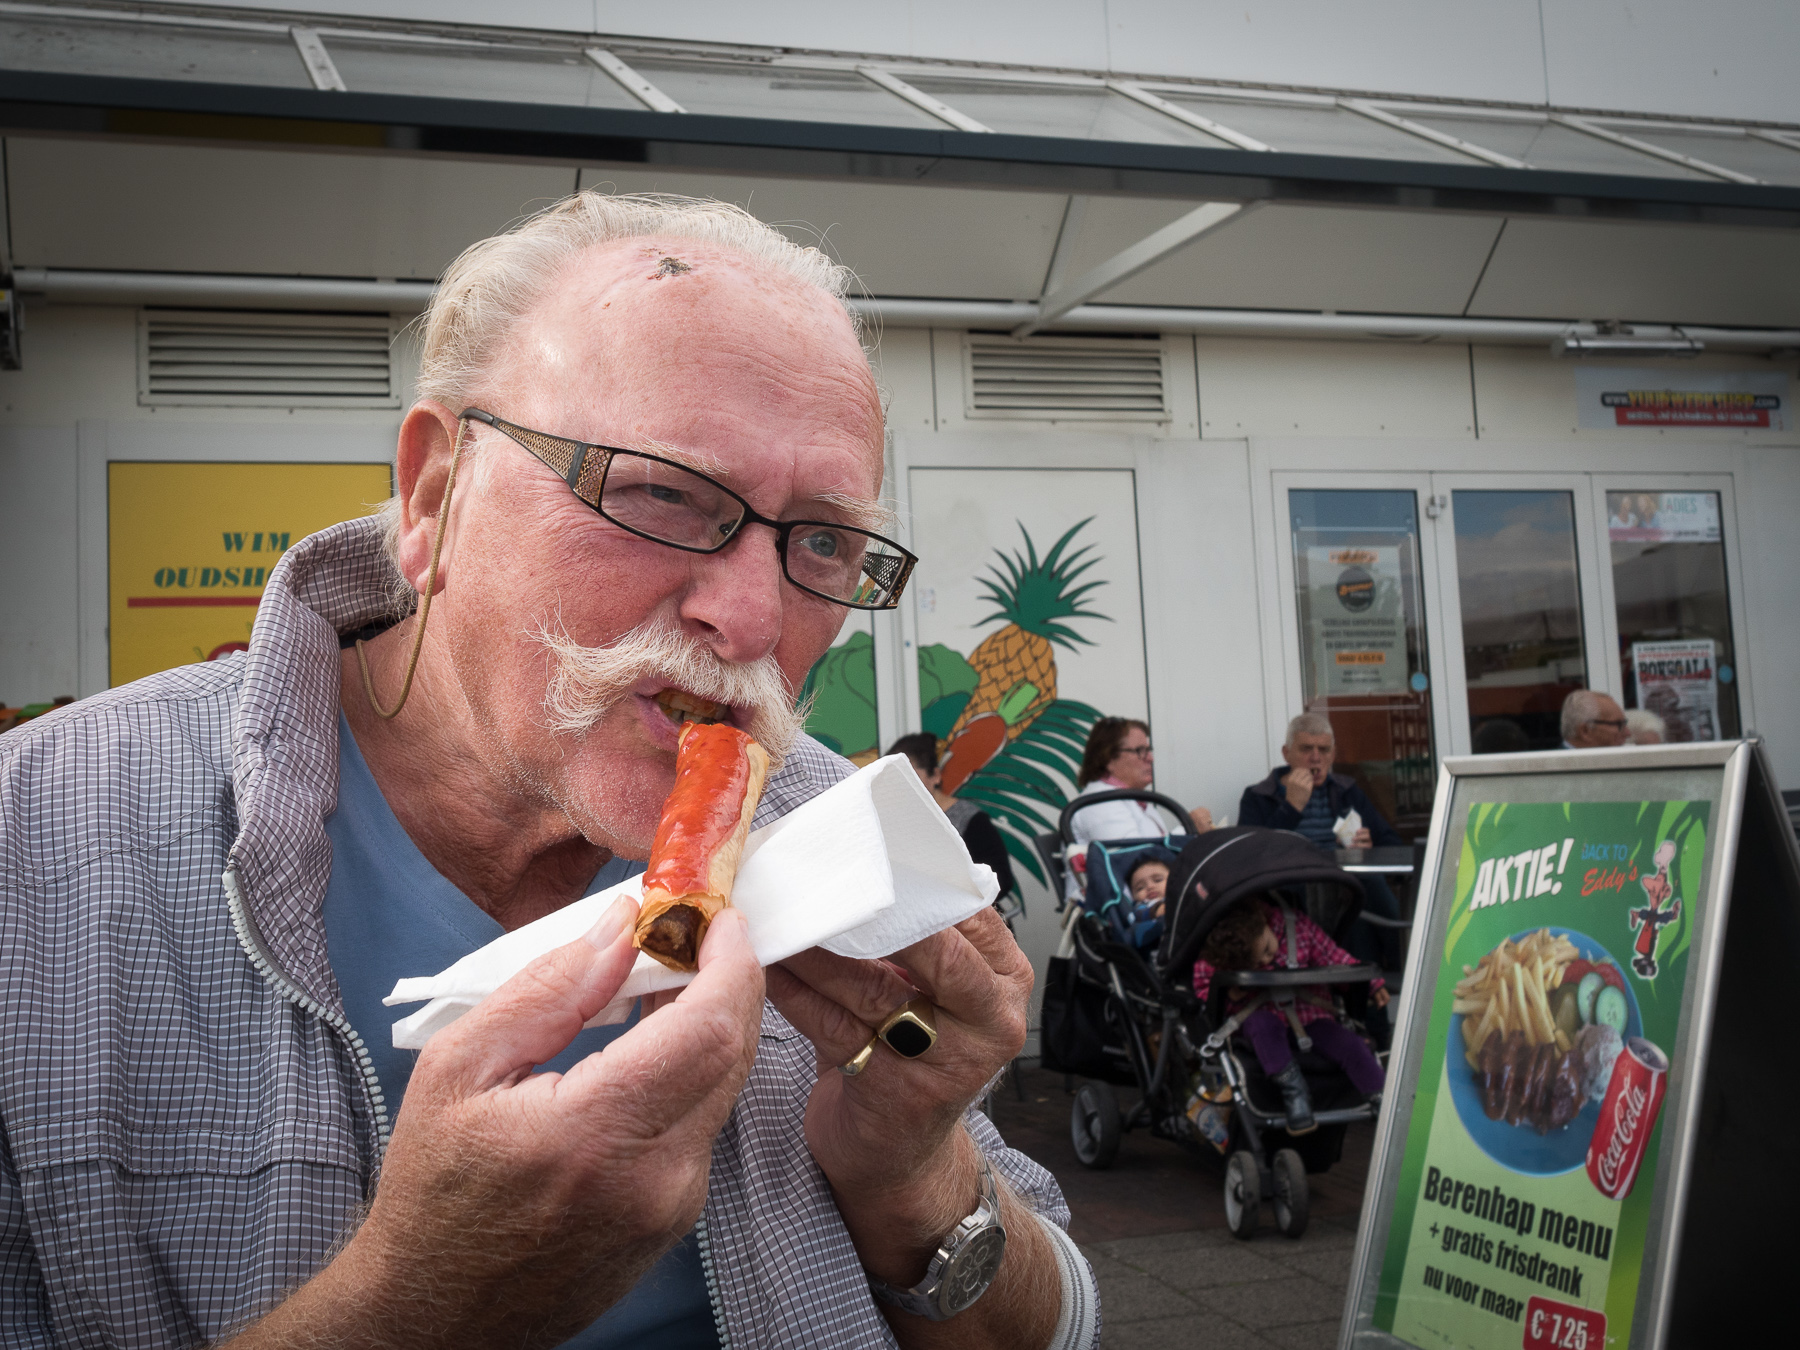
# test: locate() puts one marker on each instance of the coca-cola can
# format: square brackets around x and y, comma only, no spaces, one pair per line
[1634,1098]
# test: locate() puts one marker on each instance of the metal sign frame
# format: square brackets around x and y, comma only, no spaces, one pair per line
[1735,762]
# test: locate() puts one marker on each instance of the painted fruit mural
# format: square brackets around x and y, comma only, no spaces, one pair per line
[841,685]
[1004,737]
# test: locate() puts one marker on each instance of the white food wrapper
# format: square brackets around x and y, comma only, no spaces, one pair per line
[1346,828]
[867,867]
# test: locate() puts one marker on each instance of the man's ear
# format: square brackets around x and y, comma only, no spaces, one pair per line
[421,468]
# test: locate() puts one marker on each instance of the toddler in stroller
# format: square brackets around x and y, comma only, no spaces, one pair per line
[1251,935]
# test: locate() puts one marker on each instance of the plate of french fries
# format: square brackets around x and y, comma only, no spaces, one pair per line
[1510,988]
[1517,989]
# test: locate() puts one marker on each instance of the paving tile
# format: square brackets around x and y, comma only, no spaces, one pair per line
[1197,1331]
[1330,1266]
[1128,1249]
[1306,1335]
[1273,1303]
[1130,1296]
[1202,1267]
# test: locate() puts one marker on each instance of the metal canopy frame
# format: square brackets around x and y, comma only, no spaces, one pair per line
[114,106]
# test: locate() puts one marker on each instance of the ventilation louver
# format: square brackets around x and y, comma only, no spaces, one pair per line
[1054,378]
[262,360]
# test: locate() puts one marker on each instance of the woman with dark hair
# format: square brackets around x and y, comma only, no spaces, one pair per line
[1118,755]
[976,827]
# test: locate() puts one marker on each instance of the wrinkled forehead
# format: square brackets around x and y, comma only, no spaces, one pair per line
[681,343]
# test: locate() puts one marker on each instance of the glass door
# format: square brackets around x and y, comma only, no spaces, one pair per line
[1672,603]
[1515,606]
[1357,570]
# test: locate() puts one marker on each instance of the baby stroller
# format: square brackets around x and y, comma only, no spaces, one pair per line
[1200,1084]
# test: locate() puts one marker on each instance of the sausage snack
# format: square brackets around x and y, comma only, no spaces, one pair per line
[719,773]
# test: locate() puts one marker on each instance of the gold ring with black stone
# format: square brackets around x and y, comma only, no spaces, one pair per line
[911,1029]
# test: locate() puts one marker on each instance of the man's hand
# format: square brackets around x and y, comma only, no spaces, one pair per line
[890,1141]
[1203,821]
[1300,784]
[514,1208]
[1362,839]
[1380,997]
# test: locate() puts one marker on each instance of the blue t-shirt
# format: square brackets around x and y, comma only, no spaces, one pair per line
[390,914]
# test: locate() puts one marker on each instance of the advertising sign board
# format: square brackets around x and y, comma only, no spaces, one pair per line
[1357,626]
[190,547]
[1533,1179]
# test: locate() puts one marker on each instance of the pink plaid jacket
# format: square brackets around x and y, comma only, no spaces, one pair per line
[1312,947]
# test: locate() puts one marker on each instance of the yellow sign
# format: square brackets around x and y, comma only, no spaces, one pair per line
[191,547]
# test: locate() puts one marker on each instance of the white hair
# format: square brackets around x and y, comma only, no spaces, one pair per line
[1645,727]
[495,284]
[1582,705]
[1309,724]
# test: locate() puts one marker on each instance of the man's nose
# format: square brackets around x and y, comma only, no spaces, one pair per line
[734,600]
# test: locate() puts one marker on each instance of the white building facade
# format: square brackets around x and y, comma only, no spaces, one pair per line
[1237,363]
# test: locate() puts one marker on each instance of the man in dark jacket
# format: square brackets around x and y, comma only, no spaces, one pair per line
[1307,797]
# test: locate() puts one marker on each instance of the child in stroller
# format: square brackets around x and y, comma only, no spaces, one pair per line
[1251,935]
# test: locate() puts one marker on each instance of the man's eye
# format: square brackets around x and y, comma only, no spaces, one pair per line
[822,543]
[674,496]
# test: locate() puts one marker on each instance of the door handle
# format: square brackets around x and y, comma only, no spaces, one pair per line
[1434,506]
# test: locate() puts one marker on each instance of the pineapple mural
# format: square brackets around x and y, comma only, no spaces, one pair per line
[1008,742]
[1015,668]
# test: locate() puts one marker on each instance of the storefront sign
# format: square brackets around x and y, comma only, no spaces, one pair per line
[1663,517]
[1574,1014]
[1679,682]
[1356,619]
[1736,400]
[191,547]
[1533,1133]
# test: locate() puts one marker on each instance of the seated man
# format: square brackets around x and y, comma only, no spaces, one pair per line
[211,877]
[1307,797]
[1593,721]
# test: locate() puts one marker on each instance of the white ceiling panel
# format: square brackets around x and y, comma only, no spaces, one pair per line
[901,240]
[183,208]
[1652,273]
[1302,257]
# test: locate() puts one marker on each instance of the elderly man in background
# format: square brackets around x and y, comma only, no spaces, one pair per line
[1593,721]
[1307,797]
[644,464]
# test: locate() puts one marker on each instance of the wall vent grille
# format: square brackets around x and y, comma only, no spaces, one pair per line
[261,360]
[1056,378]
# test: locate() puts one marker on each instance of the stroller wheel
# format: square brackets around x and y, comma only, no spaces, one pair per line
[1094,1125]
[1292,1202]
[1243,1193]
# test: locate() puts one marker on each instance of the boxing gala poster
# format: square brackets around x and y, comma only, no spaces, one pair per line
[1524,1195]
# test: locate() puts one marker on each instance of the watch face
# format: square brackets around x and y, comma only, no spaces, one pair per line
[968,1273]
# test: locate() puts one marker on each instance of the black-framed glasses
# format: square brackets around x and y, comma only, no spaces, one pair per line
[668,503]
[1139,750]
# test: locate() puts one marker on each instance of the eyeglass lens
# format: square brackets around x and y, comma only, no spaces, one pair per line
[666,502]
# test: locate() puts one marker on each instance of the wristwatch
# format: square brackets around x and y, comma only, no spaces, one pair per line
[963,1266]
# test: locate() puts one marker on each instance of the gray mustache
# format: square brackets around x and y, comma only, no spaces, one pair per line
[588,682]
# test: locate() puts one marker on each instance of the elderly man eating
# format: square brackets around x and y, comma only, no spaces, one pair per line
[643,473]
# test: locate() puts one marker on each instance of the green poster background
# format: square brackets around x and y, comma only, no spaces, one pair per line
[1449,1278]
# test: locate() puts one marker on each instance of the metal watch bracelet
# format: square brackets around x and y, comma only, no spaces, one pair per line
[964,1264]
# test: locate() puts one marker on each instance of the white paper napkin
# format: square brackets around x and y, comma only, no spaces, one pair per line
[867,867]
[1347,827]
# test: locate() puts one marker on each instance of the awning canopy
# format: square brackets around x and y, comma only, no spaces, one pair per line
[1065,188]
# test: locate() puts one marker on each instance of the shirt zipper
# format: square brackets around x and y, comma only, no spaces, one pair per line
[284,984]
[712,1284]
